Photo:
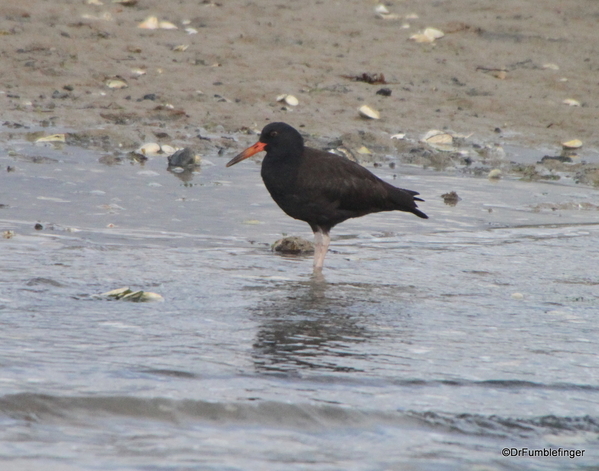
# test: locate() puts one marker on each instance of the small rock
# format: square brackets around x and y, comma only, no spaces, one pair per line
[293,245]
[558,158]
[451,198]
[184,158]
[58,95]
[384,92]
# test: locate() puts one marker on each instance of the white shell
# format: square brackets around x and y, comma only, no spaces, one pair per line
[288,99]
[368,112]
[551,66]
[573,144]
[390,16]
[401,135]
[116,83]
[438,137]
[116,292]
[494,174]
[52,138]
[168,150]
[291,100]
[167,25]
[142,297]
[439,140]
[150,149]
[181,48]
[126,294]
[106,16]
[571,102]
[381,9]
[428,35]
[420,38]
[151,22]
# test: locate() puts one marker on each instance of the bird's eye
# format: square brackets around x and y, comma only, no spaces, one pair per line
[273,133]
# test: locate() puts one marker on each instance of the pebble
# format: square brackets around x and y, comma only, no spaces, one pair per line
[293,245]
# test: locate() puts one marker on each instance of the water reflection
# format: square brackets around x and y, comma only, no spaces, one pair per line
[184,174]
[308,325]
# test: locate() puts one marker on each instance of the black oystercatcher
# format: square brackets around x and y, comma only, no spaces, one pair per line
[321,188]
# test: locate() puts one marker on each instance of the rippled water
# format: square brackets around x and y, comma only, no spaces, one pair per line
[428,345]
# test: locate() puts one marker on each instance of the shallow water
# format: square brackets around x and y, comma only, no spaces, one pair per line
[428,345]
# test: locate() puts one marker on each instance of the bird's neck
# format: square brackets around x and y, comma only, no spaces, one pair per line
[280,171]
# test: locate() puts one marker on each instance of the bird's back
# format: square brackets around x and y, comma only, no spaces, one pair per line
[325,189]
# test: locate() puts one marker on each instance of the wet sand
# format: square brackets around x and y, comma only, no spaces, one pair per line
[492,77]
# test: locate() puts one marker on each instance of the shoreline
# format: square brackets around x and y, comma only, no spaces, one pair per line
[499,76]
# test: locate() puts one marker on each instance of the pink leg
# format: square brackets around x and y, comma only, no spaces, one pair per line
[321,246]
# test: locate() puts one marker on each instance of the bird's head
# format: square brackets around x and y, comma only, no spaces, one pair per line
[278,139]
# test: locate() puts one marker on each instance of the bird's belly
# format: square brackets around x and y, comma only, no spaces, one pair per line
[320,211]
[293,205]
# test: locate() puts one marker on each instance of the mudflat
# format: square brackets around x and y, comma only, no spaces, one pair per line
[507,72]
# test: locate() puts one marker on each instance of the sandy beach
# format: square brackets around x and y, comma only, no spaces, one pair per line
[499,75]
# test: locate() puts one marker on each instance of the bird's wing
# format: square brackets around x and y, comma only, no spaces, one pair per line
[349,186]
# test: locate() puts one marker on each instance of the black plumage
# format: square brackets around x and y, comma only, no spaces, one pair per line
[319,187]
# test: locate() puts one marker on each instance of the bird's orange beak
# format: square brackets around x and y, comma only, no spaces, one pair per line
[257,147]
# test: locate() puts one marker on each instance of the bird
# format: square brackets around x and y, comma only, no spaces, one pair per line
[319,187]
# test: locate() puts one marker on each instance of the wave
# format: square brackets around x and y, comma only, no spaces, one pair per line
[507,427]
[40,408]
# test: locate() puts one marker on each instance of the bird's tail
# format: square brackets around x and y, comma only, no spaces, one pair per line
[411,206]
[419,213]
